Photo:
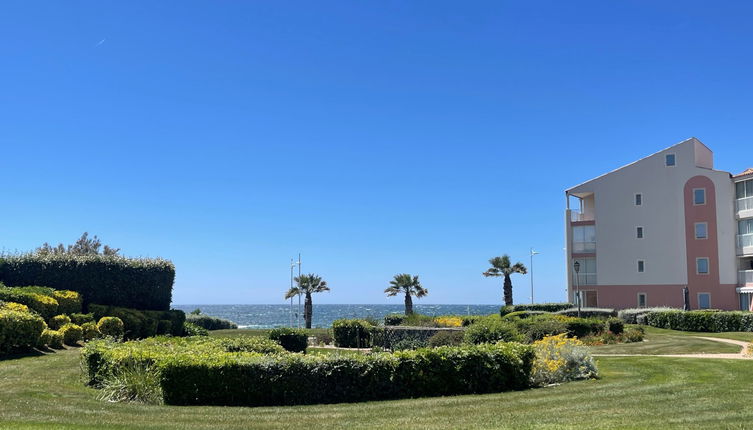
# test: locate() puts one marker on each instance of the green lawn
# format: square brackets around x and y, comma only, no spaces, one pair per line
[634,392]
[661,341]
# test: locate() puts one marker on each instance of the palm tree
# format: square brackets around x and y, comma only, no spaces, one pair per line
[405,283]
[307,284]
[501,267]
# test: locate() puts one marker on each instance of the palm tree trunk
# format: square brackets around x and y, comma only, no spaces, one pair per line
[408,304]
[308,310]
[507,290]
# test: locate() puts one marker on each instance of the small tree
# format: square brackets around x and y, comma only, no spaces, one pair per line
[405,283]
[501,266]
[83,246]
[307,284]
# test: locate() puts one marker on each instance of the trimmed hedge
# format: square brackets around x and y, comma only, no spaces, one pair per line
[210,322]
[290,339]
[140,324]
[400,337]
[637,315]
[19,331]
[543,307]
[58,321]
[69,302]
[702,321]
[352,333]
[109,280]
[72,334]
[42,304]
[492,329]
[51,338]
[190,329]
[603,313]
[111,326]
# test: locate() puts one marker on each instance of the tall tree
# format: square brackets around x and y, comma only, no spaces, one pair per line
[501,266]
[410,286]
[307,285]
[83,246]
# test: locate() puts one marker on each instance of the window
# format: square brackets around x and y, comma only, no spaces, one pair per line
[641,300]
[587,273]
[641,266]
[699,196]
[744,301]
[639,199]
[704,301]
[701,230]
[744,189]
[702,266]
[745,226]
[639,232]
[584,239]
[669,159]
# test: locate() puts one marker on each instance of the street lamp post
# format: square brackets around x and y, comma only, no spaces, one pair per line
[576,266]
[531,266]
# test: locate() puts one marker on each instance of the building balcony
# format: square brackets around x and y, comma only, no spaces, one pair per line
[745,278]
[576,216]
[744,207]
[745,244]
[583,248]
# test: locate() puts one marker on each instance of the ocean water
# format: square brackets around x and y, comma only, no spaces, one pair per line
[269,316]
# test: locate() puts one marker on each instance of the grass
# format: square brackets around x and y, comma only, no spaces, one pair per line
[634,392]
[661,341]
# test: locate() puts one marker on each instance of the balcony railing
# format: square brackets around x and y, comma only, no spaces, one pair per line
[744,204]
[586,279]
[745,277]
[584,247]
[576,216]
[744,241]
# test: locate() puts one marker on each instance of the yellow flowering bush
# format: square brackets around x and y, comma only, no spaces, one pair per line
[449,321]
[561,359]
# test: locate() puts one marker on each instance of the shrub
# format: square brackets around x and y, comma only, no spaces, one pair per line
[111,326]
[190,329]
[631,316]
[11,306]
[352,333]
[44,305]
[52,338]
[409,344]
[541,307]
[81,319]
[449,321]
[324,339]
[393,319]
[290,339]
[109,280]
[559,359]
[582,327]
[58,321]
[470,319]
[539,327]
[89,331]
[490,330]
[615,325]
[249,344]
[446,338]
[523,314]
[142,324]
[19,331]
[133,383]
[702,320]
[633,334]
[418,320]
[602,313]
[210,323]
[69,302]
[72,334]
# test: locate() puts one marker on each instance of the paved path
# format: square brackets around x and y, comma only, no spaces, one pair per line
[742,355]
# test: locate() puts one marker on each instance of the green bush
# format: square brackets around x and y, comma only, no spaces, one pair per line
[89,331]
[190,329]
[446,338]
[81,319]
[210,323]
[492,329]
[701,321]
[111,326]
[72,334]
[44,305]
[393,319]
[142,324]
[352,333]
[52,338]
[290,339]
[539,307]
[199,376]
[602,313]
[19,331]
[636,315]
[69,302]
[133,383]
[582,327]
[633,334]
[539,327]
[615,325]
[523,314]
[58,321]
[109,280]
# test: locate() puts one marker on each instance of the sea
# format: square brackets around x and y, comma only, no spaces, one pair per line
[270,316]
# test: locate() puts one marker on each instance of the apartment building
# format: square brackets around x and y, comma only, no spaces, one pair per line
[666,230]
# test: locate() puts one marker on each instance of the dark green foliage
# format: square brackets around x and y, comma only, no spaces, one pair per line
[51,338]
[582,327]
[543,307]
[291,339]
[190,329]
[82,319]
[405,337]
[394,319]
[703,321]
[446,338]
[19,331]
[69,302]
[409,344]
[140,324]
[492,329]
[523,314]
[602,313]
[201,376]
[109,280]
[210,323]
[111,327]
[58,321]
[89,331]
[42,304]
[352,333]
[637,315]
[72,334]
[538,327]
[615,325]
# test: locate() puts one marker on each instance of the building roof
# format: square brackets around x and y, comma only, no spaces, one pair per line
[746,172]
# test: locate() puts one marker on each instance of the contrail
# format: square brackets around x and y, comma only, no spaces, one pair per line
[100,42]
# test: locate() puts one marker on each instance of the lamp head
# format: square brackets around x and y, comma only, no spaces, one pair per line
[576,266]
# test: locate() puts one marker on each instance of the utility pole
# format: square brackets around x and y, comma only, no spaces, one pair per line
[292,265]
[299,289]
[532,254]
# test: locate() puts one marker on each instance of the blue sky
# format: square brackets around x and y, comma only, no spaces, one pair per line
[374,137]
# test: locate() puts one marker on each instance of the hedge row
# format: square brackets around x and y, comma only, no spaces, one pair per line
[43,304]
[637,315]
[19,330]
[352,333]
[210,323]
[252,379]
[704,321]
[108,280]
[544,307]
[141,324]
